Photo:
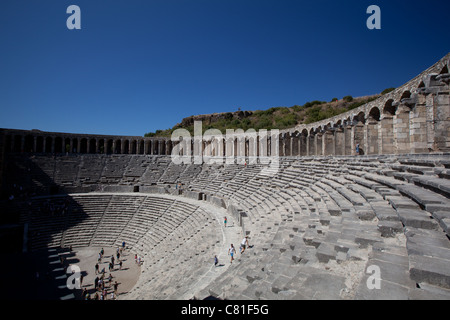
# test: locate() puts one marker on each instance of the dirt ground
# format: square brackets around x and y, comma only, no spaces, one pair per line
[126,276]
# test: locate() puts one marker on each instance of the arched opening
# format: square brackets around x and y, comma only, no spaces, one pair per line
[133,148]
[109,146]
[58,145]
[389,109]
[39,145]
[101,146]
[92,146]
[48,144]
[405,95]
[83,145]
[29,144]
[126,147]
[67,145]
[155,147]
[17,143]
[75,145]
[163,147]
[148,147]
[8,143]
[374,114]
[118,149]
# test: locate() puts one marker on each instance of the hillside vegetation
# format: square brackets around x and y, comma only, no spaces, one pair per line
[273,118]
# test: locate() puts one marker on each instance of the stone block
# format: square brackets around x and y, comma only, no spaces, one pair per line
[431,270]
[416,219]
[365,215]
[325,252]
[389,228]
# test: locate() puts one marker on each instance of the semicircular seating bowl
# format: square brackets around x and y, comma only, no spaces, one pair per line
[316,225]
[166,233]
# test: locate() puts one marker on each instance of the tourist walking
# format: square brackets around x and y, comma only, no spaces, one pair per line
[225,222]
[244,244]
[231,252]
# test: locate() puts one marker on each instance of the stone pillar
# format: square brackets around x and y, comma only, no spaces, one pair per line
[358,137]
[34,143]
[418,126]
[295,144]
[281,145]
[372,139]
[303,145]
[441,107]
[319,143]
[311,144]
[339,141]
[387,134]
[328,143]
[401,129]
[53,145]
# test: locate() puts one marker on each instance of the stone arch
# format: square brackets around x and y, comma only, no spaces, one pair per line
[375,113]
[389,108]
[405,95]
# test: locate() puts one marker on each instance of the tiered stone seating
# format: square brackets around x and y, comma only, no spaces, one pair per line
[316,224]
[84,217]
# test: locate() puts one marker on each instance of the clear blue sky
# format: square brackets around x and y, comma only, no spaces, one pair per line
[141,65]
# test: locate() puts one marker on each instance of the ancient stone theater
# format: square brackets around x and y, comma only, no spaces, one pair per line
[352,207]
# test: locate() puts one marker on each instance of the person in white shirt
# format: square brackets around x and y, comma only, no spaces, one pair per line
[231,252]
[244,244]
